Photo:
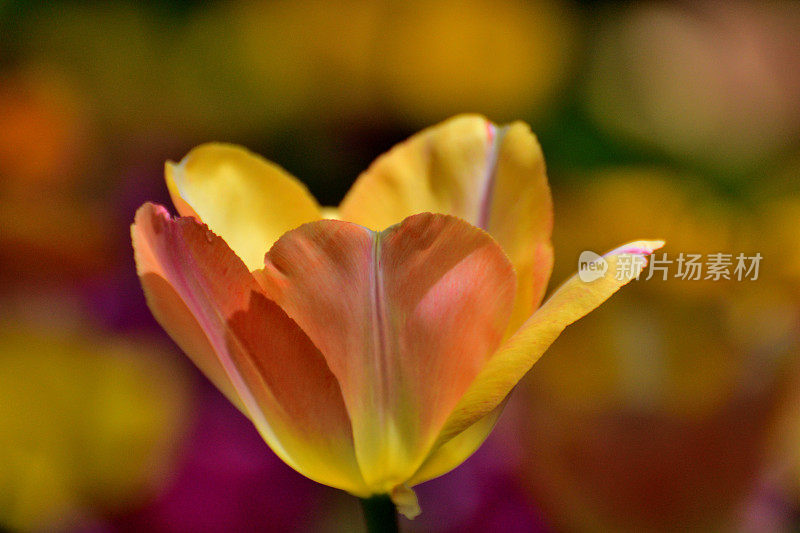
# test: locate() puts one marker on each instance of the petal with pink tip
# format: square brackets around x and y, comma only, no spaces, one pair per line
[205,298]
[574,299]
[406,319]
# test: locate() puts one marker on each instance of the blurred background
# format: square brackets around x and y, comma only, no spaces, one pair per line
[674,407]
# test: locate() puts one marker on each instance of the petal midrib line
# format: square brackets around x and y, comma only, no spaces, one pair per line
[380,333]
[496,135]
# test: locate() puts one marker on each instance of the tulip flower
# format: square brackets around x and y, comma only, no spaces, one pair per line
[376,350]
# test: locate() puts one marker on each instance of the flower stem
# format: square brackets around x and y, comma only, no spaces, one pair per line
[380,514]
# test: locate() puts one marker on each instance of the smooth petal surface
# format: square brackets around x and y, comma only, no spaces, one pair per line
[243,198]
[571,301]
[406,319]
[493,177]
[207,300]
[520,216]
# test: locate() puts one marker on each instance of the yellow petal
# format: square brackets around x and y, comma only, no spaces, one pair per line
[243,198]
[442,169]
[521,217]
[492,177]
[571,301]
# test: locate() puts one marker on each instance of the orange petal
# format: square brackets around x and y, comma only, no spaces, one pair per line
[492,177]
[571,301]
[205,298]
[406,319]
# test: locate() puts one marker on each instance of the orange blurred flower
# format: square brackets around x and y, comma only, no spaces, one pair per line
[43,132]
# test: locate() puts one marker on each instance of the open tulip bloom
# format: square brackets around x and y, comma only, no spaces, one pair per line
[373,346]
